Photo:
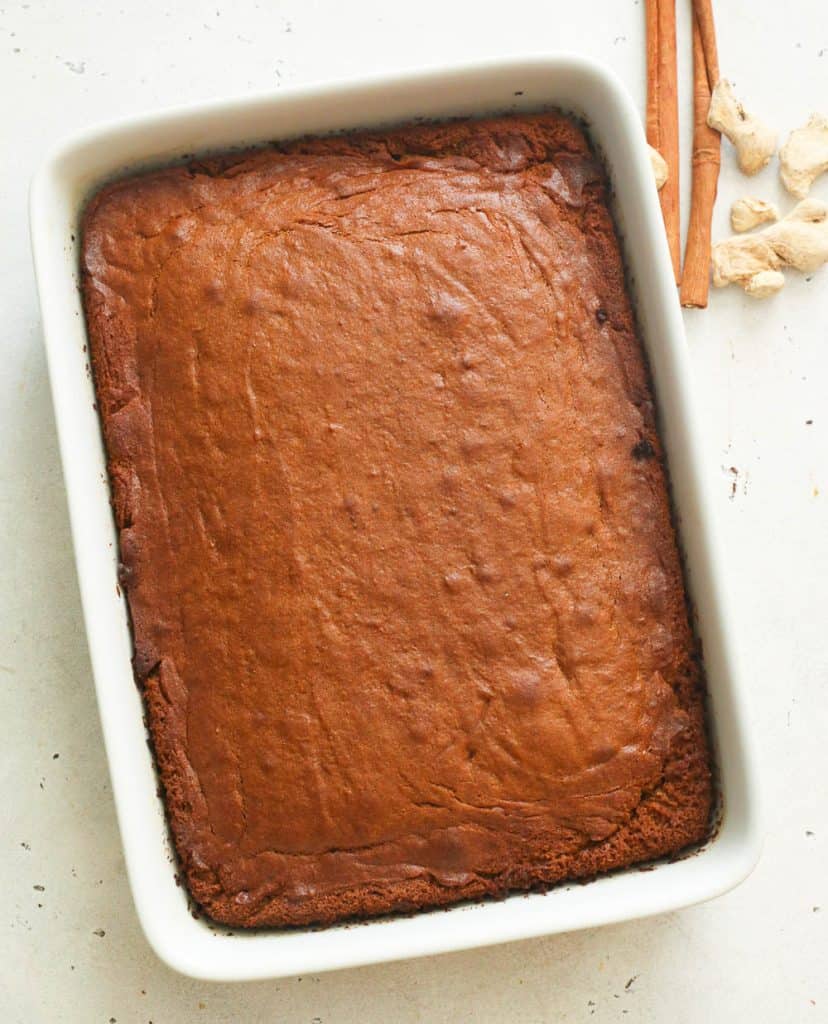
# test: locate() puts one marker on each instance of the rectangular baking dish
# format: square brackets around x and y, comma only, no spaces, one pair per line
[59,190]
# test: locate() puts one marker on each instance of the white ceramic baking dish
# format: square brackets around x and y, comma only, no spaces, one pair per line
[57,197]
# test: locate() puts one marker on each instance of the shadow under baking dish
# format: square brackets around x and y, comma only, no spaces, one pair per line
[59,190]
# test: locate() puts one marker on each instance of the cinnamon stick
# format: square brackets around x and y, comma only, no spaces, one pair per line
[695,283]
[703,17]
[653,125]
[662,113]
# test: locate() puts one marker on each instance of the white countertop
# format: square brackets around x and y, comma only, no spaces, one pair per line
[70,945]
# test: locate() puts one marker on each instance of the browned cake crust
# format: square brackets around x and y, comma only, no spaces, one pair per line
[408,610]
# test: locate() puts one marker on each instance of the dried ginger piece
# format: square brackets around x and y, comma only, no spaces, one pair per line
[804,156]
[799,240]
[748,213]
[755,143]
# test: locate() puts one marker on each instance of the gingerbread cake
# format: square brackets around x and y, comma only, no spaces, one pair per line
[407,603]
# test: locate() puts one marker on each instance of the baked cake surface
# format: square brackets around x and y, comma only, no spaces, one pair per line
[408,610]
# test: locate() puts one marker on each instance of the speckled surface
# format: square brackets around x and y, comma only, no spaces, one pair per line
[72,950]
